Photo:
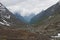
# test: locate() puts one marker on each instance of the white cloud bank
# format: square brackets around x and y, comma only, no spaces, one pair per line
[26,7]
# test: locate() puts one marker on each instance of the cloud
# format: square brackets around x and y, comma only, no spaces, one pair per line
[11,2]
[26,7]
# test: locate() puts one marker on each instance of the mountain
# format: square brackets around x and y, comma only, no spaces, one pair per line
[28,18]
[37,17]
[18,16]
[45,13]
[8,19]
[11,28]
[48,21]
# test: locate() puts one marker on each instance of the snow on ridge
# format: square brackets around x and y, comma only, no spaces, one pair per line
[5,23]
[2,23]
[8,17]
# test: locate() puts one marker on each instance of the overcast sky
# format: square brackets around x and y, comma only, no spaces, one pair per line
[26,7]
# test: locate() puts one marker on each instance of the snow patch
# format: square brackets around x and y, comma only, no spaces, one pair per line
[8,17]
[8,24]
[5,23]
[50,17]
[2,23]
[58,36]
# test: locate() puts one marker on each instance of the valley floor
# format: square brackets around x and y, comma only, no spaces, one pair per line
[14,34]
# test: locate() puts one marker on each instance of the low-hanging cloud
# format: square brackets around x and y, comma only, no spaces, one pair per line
[26,7]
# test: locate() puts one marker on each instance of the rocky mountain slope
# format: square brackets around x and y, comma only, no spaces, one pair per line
[48,21]
[8,19]
[46,13]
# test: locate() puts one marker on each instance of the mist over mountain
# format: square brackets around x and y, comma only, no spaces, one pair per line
[25,19]
[18,16]
[28,18]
